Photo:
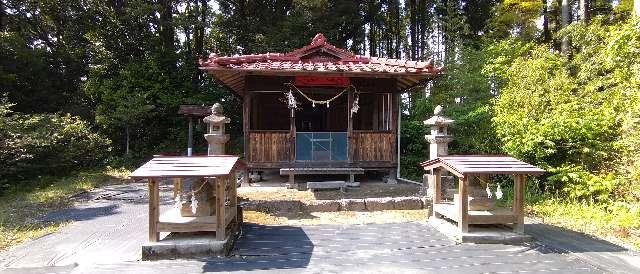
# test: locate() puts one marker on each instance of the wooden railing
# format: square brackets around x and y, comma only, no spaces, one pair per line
[269,146]
[373,146]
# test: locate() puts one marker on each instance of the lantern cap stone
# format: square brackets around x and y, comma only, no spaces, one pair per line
[217,115]
[437,119]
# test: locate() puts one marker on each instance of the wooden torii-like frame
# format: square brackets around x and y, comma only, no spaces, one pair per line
[466,167]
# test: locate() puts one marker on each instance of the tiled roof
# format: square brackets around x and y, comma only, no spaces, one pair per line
[318,57]
[338,60]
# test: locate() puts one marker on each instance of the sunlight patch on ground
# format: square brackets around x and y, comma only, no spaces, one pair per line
[340,217]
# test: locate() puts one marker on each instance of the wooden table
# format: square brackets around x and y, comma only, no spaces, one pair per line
[220,169]
[466,167]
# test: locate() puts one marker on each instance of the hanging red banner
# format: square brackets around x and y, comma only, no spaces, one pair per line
[321,81]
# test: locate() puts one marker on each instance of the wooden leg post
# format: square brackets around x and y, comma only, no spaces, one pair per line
[233,194]
[292,181]
[436,189]
[177,187]
[154,211]
[463,206]
[220,214]
[518,199]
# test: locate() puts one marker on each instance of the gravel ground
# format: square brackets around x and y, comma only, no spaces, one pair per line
[108,228]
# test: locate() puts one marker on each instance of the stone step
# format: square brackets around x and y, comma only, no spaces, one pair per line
[327,185]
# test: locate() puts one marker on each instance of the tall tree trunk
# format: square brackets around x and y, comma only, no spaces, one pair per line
[3,16]
[126,151]
[398,30]
[585,11]
[545,22]
[167,32]
[412,30]
[566,19]
[199,29]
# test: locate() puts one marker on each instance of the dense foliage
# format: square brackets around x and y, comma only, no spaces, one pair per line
[39,144]
[577,116]
[98,74]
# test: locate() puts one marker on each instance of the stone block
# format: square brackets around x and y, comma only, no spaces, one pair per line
[273,206]
[352,205]
[326,185]
[377,204]
[321,205]
[188,246]
[407,203]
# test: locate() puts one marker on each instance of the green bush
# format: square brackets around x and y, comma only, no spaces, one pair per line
[37,144]
[580,185]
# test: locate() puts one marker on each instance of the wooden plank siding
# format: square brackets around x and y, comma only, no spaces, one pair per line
[269,146]
[367,146]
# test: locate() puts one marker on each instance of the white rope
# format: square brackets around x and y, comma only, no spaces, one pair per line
[314,101]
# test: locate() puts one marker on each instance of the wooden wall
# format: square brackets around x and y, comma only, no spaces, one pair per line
[275,148]
[268,146]
[373,146]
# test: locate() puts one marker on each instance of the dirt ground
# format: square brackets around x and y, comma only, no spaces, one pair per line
[273,187]
[340,217]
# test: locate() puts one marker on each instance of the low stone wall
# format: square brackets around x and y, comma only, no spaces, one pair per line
[368,204]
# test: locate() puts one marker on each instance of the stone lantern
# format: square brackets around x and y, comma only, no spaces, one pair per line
[439,138]
[198,198]
[215,136]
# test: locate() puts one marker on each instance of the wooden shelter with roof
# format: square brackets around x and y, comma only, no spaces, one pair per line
[468,167]
[319,107]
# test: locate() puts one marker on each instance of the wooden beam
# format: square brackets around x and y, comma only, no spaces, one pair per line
[220,214]
[154,211]
[518,203]
[463,205]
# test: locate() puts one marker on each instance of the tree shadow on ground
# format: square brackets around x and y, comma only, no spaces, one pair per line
[262,247]
[106,201]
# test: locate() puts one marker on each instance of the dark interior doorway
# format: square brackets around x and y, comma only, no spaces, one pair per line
[320,118]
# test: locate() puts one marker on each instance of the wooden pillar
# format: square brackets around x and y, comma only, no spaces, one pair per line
[292,180]
[292,136]
[463,204]
[233,194]
[437,177]
[177,187]
[220,213]
[246,111]
[395,112]
[154,211]
[518,203]
[349,126]
[190,138]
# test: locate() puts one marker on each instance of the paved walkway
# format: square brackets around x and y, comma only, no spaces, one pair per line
[110,227]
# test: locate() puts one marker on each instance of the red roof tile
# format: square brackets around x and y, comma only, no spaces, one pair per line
[320,56]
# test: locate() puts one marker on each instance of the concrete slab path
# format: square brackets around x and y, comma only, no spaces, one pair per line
[110,226]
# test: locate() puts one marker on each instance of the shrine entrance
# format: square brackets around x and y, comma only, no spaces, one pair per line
[321,129]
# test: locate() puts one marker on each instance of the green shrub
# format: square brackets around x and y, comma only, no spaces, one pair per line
[39,144]
[580,185]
